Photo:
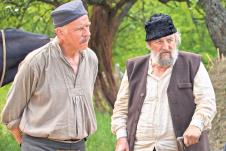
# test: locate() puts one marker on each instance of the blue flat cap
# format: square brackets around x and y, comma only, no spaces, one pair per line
[68,12]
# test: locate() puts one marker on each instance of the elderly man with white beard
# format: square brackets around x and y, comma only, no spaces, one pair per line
[163,95]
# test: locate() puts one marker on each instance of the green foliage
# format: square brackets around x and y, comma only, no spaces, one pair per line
[100,141]
[130,40]
[3,93]
[30,16]
[223,2]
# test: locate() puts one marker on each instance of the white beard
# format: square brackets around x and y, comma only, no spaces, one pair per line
[162,60]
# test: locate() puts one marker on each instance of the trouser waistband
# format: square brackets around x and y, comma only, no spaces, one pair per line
[43,144]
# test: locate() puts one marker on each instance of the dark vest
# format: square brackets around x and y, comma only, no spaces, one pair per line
[179,91]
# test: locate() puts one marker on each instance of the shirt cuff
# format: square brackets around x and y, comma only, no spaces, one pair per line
[121,133]
[13,124]
[198,123]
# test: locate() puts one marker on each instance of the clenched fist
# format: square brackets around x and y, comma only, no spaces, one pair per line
[122,144]
[191,135]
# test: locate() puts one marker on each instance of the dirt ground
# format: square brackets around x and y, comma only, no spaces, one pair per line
[217,135]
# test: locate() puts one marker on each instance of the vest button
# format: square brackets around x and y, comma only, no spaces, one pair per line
[142,94]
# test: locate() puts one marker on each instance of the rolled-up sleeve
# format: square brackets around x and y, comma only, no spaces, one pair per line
[204,99]
[19,95]
[119,117]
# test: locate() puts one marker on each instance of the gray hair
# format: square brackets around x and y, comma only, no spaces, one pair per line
[178,38]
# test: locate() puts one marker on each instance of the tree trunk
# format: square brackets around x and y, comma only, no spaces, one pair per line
[215,21]
[103,29]
[105,22]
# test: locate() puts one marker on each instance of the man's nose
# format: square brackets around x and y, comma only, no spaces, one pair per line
[86,32]
[165,45]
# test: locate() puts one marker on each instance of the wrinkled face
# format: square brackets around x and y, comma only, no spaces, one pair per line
[163,50]
[76,34]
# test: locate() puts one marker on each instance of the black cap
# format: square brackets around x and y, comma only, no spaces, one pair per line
[159,25]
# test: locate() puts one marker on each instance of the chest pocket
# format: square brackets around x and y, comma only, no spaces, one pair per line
[184,85]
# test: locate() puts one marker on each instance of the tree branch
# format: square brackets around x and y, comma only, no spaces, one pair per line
[166,1]
[123,28]
[197,8]
[125,10]
[120,4]
[102,3]
[143,9]
[10,2]
[23,13]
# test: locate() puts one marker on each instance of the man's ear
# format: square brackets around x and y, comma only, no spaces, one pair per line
[59,32]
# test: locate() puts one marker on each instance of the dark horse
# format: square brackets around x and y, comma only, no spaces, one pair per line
[18,44]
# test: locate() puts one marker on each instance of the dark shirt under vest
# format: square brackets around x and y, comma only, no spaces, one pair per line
[179,91]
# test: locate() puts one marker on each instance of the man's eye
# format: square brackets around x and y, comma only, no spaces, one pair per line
[80,28]
[170,40]
[159,42]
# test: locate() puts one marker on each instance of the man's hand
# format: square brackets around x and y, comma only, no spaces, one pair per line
[191,135]
[17,135]
[122,144]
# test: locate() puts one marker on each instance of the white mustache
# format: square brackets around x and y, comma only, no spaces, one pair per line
[85,39]
[165,51]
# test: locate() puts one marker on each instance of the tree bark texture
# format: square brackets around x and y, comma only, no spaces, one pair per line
[103,32]
[216,23]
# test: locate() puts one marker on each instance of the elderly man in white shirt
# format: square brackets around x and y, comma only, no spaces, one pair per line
[163,95]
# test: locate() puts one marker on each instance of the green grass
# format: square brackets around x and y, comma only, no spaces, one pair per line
[102,140]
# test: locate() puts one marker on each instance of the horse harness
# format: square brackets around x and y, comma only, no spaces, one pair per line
[4,57]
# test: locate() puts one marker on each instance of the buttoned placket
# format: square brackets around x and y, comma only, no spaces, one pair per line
[73,87]
[156,82]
